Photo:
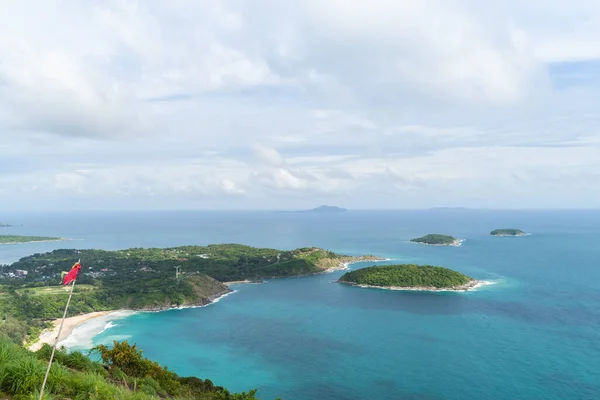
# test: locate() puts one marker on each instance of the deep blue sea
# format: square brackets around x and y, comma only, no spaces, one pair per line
[534,334]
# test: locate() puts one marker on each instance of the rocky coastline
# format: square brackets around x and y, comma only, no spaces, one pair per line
[471,285]
[196,304]
[456,243]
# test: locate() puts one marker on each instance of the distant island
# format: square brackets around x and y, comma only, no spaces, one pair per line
[507,232]
[13,239]
[327,209]
[3,225]
[436,239]
[409,277]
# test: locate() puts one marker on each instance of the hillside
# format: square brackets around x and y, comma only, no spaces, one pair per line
[123,374]
[223,262]
[408,276]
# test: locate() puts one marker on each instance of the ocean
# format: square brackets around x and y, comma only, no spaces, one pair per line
[533,334]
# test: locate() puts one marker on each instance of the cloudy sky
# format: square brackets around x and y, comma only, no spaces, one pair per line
[264,104]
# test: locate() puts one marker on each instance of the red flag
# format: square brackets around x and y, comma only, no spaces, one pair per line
[72,274]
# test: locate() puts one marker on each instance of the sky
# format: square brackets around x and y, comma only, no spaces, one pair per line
[266,104]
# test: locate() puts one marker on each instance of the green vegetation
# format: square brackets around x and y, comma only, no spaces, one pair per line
[123,374]
[139,279]
[223,262]
[436,239]
[10,239]
[47,290]
[27,310]
[507,232]
[407,276]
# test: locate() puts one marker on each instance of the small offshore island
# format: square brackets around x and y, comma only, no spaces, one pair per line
[3,225]
[410,277]
[14,239]
[436,239]
[508,232]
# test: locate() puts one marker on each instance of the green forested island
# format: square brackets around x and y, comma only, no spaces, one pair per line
[437,239]
[507,232]
[138,279]
[13,239]
[409,277]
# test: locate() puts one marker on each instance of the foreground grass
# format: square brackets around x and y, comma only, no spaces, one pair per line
[124,375]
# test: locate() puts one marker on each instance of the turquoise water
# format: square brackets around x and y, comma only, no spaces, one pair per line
[535,334]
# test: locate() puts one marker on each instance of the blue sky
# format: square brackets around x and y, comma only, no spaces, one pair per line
[267,104]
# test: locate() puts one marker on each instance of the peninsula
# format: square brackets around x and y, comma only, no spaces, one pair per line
[13,239]
[507,232]
[436,239]
[410,277]
[146,279]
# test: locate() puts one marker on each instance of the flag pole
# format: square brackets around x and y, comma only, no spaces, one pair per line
[62,322]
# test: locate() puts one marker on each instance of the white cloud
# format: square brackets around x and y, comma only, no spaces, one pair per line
[251,102]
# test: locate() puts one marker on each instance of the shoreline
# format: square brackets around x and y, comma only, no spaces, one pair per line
[473,285]
[40,241]
[48,336]
[345,264]
[456,243]
[211,300]
[71,323]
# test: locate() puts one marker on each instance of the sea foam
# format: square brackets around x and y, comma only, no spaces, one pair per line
[83,335]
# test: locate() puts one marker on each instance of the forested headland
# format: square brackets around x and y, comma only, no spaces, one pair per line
[142,279]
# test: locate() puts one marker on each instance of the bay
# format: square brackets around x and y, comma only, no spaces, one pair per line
[535,333]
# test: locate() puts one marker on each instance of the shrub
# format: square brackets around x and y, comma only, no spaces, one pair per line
[23,375]
[88,386]
[59,379]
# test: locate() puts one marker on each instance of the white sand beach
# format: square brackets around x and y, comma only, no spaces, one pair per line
[48,336]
